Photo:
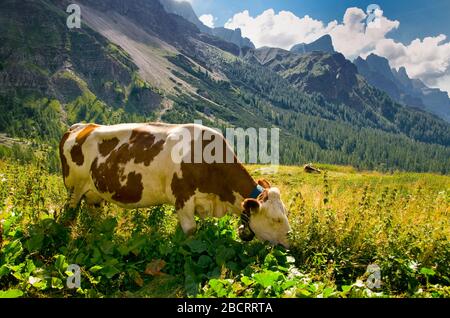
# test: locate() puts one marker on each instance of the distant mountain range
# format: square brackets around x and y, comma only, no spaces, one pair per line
[329,74]
[136,61]
[184,9]
[412,92]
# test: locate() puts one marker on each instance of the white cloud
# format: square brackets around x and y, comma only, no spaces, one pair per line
[190,1]
[443,83]
[277,30]
[427,59]
[355,37]
[208,20]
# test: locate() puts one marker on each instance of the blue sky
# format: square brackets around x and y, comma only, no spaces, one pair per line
[414,34]
[418,18]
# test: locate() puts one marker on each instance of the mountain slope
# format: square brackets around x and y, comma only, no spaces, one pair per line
[397,84]
[184,9]
[46,65]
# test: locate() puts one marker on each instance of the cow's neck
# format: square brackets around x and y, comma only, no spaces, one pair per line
[243,184]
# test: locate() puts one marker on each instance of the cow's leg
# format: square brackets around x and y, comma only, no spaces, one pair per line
[75,197]
[186,217]
[71,208]
[93,199]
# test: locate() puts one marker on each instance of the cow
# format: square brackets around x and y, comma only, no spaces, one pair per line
[133,166]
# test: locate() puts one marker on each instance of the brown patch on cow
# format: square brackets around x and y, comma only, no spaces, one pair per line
[64,165]
[76,152]
[107,180]
[106,146]
[264,183]
[221,179]
[143,147]
[109,176]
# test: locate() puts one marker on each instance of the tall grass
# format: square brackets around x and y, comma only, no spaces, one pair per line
[342,220]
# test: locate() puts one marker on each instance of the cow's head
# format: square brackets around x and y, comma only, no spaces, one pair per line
[266,217]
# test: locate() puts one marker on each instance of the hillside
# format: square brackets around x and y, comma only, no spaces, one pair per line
[133,61]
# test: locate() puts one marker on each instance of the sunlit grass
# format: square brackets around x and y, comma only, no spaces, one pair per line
[343,220]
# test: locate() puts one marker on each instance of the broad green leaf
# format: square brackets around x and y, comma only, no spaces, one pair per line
[95,268]
[270,261]
[247,280]
[197,246]
[110,271]
[35,242]
[57,283]
[288,284]
[12,251]
[327,292]
[4,270]
[60,263]
[267,278]
[427,271]
[11,293]
[204,261]
[346,288]
[224,254]
[108,226]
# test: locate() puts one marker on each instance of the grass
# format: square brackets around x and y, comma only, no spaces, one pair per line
[343,221]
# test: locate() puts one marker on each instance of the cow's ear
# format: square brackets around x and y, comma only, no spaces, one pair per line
[251,205]
[264,183]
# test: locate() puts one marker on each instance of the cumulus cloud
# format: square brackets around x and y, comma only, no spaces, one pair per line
[277,30]
[427,59]
[356,37]
[208,20]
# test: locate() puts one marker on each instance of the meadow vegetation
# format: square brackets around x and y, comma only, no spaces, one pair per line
[343,220]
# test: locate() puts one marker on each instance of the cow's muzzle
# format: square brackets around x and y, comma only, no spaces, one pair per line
[245,232]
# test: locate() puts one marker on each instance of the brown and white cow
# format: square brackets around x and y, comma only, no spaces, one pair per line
[132,166]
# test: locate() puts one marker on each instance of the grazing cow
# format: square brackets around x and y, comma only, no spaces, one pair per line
[133,166]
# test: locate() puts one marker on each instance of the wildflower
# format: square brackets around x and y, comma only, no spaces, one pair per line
[413,265]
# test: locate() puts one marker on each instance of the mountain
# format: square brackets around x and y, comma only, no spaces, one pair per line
[185,10]
[397,84]
[329,74]
[323,44]
[233,36]
[132,61]
[316,72]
